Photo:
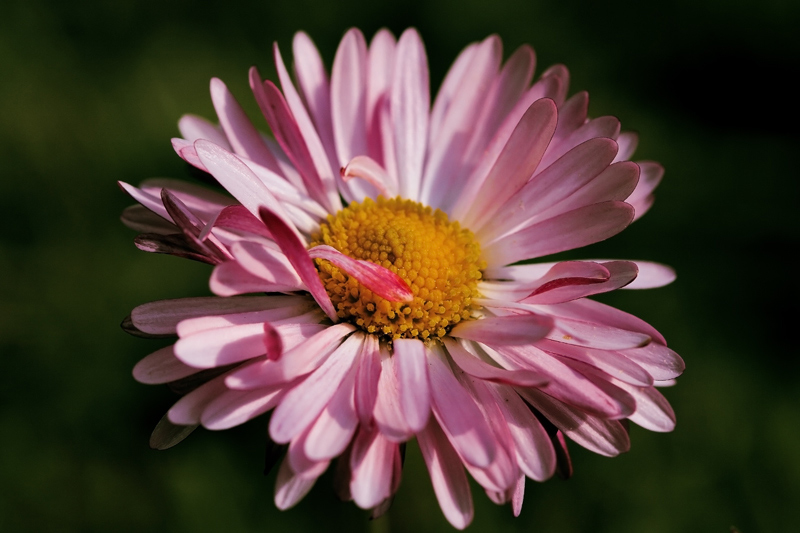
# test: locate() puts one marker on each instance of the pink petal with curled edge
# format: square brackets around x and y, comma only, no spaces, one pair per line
[290,488]
[457,413]
[272,342]
[447,475]
[570,273]
[410,104]
[242,135]
[305,402]
[193,227]
[232,407]
[193,127]
[549,187]
[605,437]
[504,330]
[376,278]
[388,412]
[371,463]
[348,96]
[367,378]
[334,428]
[535,454]
[370,171]
[299,360]
[621,273]
[238,179]
[411,366]
[161,366]
[300,260]
[162,317]
[478,368]
[238,217]
[515,165]
[574,229]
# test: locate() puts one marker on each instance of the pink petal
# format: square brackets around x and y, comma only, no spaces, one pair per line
[317,149]
[446,151]
[458,414]
[410,104]
[612,363]
[514,166]
[411,362]
[605,437]
[161,366]
[518,495]
[189,408]
[238,217]
[237,178]
[561,179]
[376,278]
[240,132]
[305,402]
[300,260]
[388,412]
[162,317]
[575,229]
[301,464]
[592,311]
[628,141]
[348,96]
[652,275]
[594,335]
[599,127]
[642,197]
[334,429]
[504,330]
[266,263]
[571,386]
[569,273]
[370,171]
[193,127]
[367,378]
[658,360]
[571,115]
[232,408]
[290,488]
[303,358]
[653,411]
[221,346]
[372,466]
[478,368]
[621,273]
[447,475]
[379,71]
[535,454]
[230,279]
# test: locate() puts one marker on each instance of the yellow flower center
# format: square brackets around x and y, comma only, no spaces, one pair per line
[440,262]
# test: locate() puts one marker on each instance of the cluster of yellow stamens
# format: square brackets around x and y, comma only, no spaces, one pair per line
[440,262]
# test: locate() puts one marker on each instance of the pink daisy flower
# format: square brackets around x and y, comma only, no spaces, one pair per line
[370,290]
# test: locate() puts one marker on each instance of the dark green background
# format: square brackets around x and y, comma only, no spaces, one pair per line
[90,93]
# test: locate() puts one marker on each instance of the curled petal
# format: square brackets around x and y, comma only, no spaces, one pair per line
[376,278]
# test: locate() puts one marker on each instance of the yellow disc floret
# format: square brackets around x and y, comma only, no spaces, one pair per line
[440,262]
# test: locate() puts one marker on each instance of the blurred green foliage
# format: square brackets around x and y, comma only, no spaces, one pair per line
[90,93]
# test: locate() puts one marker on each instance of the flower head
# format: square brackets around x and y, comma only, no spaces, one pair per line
[379,241]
